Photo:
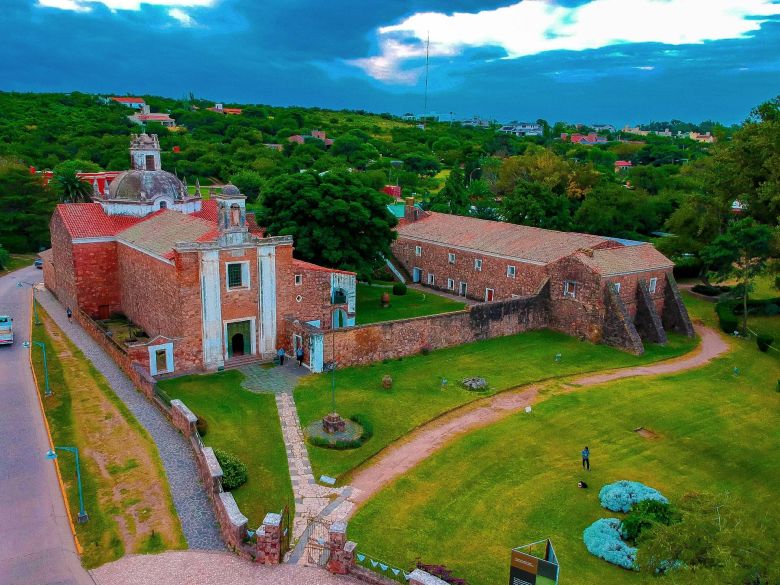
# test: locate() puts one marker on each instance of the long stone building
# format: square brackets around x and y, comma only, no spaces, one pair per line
[205,283]
[607,290]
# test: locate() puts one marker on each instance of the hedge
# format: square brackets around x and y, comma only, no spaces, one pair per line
[643,515]
[622,495]
[764,341]
[603,540]
[399,289]
[234,473]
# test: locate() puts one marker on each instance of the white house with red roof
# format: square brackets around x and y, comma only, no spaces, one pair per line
[201,278]
[131,102]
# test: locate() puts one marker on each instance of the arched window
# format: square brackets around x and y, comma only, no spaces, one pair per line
[235,215]
[163,204]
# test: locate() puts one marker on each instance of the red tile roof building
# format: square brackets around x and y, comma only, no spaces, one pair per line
[201,278]
[131,102]
[605,289]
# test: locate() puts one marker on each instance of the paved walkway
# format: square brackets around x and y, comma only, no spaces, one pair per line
[453,297]
[191,502]
[208,568]
[423,442]
[36,543]
[270,379]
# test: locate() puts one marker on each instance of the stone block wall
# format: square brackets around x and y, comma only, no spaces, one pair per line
[393,339]
[96,268]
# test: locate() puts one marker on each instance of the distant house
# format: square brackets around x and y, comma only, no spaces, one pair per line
[476,122]
[315,134]
[220,109]
[163,119]
[635,130]
[131,102]
[706,137]
[603,127]
[622,165]
[522,129]
[585,139]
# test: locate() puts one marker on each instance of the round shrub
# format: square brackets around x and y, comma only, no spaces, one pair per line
[202,426]
[622,495]
[234,473]
[706,289]
[764,341]
[602,539]
[399,289]
[643,515]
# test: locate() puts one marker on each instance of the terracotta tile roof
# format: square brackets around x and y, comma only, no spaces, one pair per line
[301,265]
[622,260]
[499,238]
[159,232]
[128,100]
[88,220]
[209,212]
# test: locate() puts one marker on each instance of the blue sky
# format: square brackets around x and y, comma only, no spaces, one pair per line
[616,61]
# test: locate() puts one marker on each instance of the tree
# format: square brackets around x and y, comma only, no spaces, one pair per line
[26,206]
[717,541]
[747,168]
[454,197]
[4,258]
[743,251]
[249,183]
[76,166]
[71,189]
[334,219]
[536,205]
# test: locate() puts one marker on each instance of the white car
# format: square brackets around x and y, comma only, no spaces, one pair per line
[6,330]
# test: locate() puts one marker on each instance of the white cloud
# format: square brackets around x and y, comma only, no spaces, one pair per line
[175,11]
[531,27]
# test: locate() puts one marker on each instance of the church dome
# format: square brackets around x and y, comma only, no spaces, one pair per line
[230,190]
[137,185]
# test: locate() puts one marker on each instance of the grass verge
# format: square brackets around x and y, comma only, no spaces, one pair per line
[246,425]
[515,482]
[126,493]
[417,394]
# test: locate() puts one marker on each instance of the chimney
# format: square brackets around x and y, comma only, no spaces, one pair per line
[410,211]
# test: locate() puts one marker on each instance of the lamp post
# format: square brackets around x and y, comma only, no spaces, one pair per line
[51,454]
[20,284]
[45,364]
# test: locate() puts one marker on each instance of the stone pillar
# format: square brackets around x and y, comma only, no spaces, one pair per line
[269,540]
[211,317]
[342,551]
[267,272]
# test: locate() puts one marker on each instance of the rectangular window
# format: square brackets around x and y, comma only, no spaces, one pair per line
[450,284]
[298,279]
[653,284]
[431,279]
[570,289]
[237,275]
[478,264]
[617,286]
[510,271]
[451,258]
[488,295]
[418,250]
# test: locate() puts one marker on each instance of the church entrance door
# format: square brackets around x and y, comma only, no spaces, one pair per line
[237,345]
[239,339]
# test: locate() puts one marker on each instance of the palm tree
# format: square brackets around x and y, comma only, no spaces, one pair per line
[71,189]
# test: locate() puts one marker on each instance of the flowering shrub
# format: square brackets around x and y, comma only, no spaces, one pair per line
[622,495]
[602,539]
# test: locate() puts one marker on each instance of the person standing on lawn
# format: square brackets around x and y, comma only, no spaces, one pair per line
[586,458]
[280,355]
[299,356]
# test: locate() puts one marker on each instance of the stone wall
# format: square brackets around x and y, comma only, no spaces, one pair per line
[364,344]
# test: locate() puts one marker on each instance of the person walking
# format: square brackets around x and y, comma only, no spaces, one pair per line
[299,356]
[69,313]
[280,355]
[586,458]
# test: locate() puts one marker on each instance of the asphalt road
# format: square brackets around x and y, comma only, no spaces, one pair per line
[36,545]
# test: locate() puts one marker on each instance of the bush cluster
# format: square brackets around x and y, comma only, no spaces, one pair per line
[622,495]
[764,341]
[234,473]
[603,539]
[399,289]
[343,444]
[710,290]
[644,515]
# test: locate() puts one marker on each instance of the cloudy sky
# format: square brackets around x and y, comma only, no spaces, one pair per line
[616,61]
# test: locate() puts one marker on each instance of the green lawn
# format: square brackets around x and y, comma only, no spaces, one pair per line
[417,395]
[246,425]
[413,304]
[516,482]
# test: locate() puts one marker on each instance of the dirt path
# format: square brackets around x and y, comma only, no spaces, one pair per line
[426,440]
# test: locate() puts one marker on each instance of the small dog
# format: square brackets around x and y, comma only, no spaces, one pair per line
[582,484]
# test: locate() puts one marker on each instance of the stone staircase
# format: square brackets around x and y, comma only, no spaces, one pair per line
[243,360]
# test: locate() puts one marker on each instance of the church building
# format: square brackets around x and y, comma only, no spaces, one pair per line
[199,276]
